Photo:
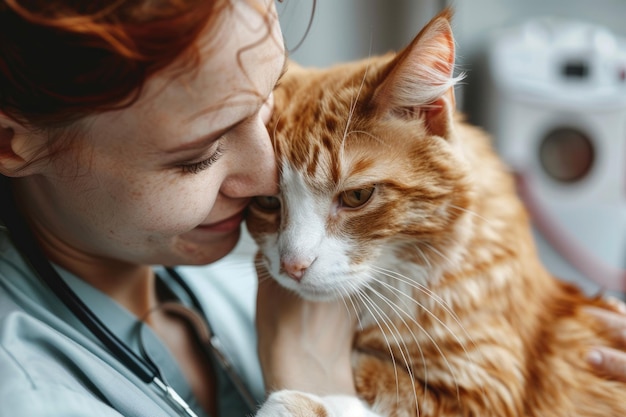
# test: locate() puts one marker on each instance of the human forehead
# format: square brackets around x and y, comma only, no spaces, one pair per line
[241,58]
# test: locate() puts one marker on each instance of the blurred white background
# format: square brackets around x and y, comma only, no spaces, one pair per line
[343,30]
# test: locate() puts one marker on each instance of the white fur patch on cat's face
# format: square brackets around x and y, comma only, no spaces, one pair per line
[304,244]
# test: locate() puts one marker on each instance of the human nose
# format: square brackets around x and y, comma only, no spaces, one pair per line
[255,167]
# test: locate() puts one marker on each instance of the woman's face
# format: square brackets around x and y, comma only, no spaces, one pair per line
[166,181]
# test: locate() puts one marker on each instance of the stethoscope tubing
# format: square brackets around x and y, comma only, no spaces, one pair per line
[26,244]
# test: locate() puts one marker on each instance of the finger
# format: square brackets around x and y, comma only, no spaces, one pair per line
[259,264]
[614,324]
[609,362]
[616,304]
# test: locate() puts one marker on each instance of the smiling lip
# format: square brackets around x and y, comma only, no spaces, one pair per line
[226,225]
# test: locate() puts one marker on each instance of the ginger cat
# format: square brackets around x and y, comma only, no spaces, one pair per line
[390,200]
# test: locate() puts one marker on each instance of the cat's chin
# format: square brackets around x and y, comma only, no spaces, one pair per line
[310,292]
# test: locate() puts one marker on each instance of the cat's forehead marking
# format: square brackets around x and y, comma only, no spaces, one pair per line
[323,126]
[310,150]
[332,162]
[326,168]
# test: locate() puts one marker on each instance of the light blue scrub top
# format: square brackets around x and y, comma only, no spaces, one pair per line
[51,365]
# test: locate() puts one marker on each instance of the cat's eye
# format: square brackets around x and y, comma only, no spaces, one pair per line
[267,202]
[356,198]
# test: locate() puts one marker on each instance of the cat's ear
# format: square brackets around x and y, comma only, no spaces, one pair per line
[420,80]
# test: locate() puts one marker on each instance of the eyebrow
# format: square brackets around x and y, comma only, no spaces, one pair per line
[204,141]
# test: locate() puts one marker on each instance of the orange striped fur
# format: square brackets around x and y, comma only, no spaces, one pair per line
[458,316]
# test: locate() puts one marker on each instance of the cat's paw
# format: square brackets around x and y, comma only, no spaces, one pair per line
[294,403]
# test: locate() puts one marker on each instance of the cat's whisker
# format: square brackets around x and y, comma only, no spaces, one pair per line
[436,251]
[353,104]
[346,295]
[414,321]
[374,312]
[441,302]
[350,296]
[471,212]
[405,308]
[376,138]
[421,253]
[399,312]
[429,293]
[353,291]
[423,289]
[419,326]
[402,348]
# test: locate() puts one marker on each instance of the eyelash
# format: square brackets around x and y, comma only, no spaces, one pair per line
[197,167]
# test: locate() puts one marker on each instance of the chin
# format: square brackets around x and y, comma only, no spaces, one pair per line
[192,252]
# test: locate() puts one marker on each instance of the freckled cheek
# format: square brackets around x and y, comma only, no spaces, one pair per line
[169,210]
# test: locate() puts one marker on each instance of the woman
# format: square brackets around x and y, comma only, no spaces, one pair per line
[131,135]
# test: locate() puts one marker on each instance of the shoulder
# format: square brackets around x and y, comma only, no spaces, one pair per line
[46,372]
[22,394]
[49,364]
[34,380]
[50,401]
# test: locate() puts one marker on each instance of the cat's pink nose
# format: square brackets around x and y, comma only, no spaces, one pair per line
[295,269]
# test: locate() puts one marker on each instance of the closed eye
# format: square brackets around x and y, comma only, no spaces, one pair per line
[196,167]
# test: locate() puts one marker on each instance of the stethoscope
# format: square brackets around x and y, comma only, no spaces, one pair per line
[144,369]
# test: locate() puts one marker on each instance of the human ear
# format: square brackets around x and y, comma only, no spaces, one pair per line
[20,148]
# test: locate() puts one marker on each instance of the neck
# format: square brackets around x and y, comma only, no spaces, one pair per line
[131,285]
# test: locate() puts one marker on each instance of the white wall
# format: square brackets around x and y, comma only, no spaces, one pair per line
[476,19]
[350,29]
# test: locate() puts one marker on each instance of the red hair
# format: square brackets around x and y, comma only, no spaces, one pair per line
[61,60]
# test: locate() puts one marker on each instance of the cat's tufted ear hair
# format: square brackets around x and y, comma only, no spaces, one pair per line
[420,80]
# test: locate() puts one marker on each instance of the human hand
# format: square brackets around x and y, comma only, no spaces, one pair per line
[303,345]
[608,361]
